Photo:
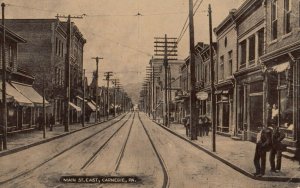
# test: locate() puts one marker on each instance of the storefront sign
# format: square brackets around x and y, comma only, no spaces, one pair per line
[202,95]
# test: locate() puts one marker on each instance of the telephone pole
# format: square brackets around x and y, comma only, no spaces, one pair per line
[67,69]
[107,78]
[83,97]
[115,82]
[4,104]
[193,99]
[97,88]
[166,47]
[212,74]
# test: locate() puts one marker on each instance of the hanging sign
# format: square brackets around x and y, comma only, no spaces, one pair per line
[202,95]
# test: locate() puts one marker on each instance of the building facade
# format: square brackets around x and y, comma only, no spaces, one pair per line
[44,55]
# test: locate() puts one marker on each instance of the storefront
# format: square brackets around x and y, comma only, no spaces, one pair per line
[250,103]
[280,91]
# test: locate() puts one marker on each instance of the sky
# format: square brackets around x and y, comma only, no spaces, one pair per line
[124,40]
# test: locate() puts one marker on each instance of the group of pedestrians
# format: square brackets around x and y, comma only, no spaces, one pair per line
[50,121]
[202,126]
[269,139]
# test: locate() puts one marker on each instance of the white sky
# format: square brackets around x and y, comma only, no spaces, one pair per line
[119,36]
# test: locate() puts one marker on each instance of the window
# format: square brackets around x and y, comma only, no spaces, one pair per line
[62,49]
[56,46]
[243,54]
[59,45]
[230,63]
[261,42]
[225,42]
[287,16]
[11,58]
[274,19]
[251,49]
[221,73]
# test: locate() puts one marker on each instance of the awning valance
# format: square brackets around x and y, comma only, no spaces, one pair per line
[30,93]
[281,67]
[77,108]
[91,106]
[18,97]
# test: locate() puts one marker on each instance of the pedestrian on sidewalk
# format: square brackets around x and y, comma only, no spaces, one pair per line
[277,148]
[200,126]
[40,121]
[187,125]
[206,125]
[263,145]
[51,121]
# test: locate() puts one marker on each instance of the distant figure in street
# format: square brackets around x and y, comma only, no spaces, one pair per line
[277,148]
[263,144]
[200,126]
[206,125]
[187,125]
[51,121]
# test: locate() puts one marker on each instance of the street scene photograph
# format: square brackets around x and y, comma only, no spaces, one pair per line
[150,93]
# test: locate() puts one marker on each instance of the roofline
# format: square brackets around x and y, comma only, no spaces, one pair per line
[12,35]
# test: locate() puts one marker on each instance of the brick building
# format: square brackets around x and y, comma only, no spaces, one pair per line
[281,65]
[24,104]
[44,55]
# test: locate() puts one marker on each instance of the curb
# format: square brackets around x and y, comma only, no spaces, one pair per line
[18,149]
[246,173]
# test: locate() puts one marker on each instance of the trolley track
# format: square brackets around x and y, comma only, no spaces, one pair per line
[95,154]
[65,150]
[166,181]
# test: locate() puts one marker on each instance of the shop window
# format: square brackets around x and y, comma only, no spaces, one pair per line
[230,63]
[287,16]
[243,54]
[274,19]
[251,49]
[261,42]
[256,112]
[256,87]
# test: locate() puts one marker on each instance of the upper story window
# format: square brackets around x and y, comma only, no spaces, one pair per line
[261,42]
[11,56]
[274,20]
[243,54]
[230,62]
[62,49]
[56,46]
[225,42]
[221,68]
[287,16]
[251,49]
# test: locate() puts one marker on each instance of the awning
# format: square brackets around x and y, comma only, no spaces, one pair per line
[281,67]
[8,97]
[78,97]
[91,106]
[18,97]
[77,108]
[30,93]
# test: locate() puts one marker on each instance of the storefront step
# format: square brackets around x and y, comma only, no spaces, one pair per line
[224,134]
[291,149]
[288,155]
[289,142]
[236,137]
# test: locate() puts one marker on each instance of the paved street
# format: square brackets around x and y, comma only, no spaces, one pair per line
[121,147]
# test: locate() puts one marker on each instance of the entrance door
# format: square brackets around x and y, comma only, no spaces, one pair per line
[256,113]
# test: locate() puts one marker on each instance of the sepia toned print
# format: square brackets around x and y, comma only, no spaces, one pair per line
[161,93]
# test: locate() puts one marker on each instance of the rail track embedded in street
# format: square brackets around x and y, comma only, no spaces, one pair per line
[166,181]
[62,152]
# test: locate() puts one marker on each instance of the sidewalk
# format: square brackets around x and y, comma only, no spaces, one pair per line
[241,154]
[23,140]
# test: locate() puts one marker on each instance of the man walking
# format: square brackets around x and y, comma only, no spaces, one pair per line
[277,148]
[263,144]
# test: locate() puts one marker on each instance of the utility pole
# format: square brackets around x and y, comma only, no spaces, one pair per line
[67,69]
[107,78]
[97,88]
[4,104]
[212,74]
[44,109]
[166,47]
[115,82]
[83,102]
[193,99]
